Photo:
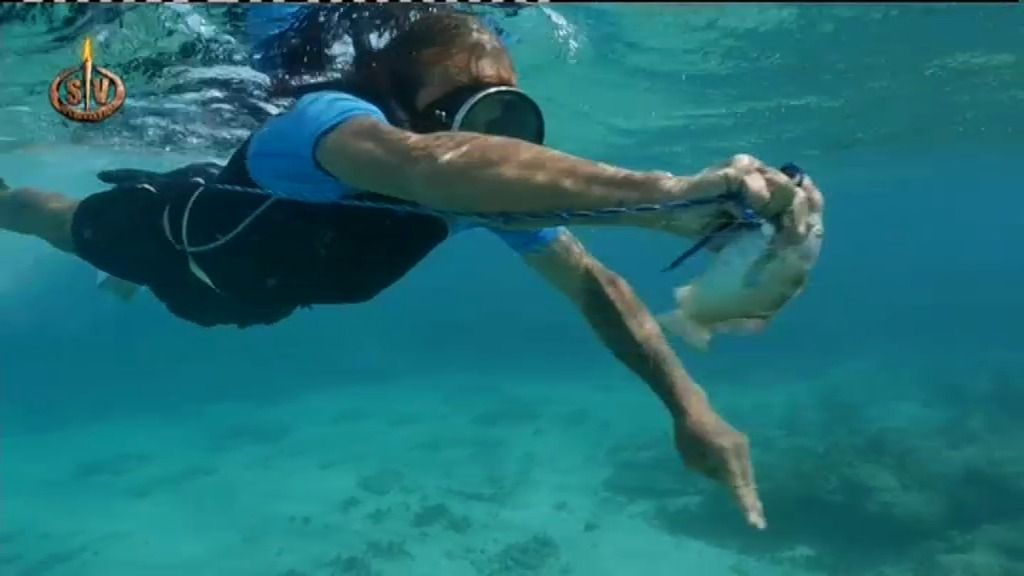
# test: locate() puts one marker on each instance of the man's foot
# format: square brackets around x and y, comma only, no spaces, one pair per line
[45,215]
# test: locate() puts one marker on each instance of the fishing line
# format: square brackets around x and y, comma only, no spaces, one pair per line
[506,218]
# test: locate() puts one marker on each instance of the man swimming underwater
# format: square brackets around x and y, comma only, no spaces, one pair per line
[432,119]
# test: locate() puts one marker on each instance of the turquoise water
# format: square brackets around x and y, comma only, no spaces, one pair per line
[467,422]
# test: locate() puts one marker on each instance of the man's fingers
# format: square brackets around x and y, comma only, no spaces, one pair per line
[789,203]
[744,163]
[744,491]
[751,505]
[769,191]
[741,482]
[815,200]
[782,192]
[758,196]
[795,220]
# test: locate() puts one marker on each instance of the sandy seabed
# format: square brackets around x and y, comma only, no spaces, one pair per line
[383,478]
[868,469]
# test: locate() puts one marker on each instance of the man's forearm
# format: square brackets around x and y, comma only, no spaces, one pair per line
[466,172]
[518,176]
[626,326]
[622,322]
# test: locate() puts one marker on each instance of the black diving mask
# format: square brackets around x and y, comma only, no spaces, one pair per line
[495,110]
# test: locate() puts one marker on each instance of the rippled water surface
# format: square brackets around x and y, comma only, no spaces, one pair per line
[815,79]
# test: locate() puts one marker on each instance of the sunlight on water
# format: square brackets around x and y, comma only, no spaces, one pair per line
[467,422]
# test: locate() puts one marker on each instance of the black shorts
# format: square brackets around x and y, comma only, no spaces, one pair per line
[290,255]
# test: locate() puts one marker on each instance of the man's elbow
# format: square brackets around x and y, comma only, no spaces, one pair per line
[606,284]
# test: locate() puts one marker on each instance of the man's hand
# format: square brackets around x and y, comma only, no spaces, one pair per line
[767,191]
[711,446]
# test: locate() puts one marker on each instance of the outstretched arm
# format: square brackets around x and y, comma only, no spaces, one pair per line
[467,172]
[706,442]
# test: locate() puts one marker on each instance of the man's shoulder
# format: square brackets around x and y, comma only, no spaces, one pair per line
[281,155]
[334,101]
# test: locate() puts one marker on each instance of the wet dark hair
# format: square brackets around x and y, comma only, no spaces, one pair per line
[417,40]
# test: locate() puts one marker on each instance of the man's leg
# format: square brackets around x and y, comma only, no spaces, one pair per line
[48,216]
[45,215]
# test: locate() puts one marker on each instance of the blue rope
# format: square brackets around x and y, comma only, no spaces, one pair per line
[504,218]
